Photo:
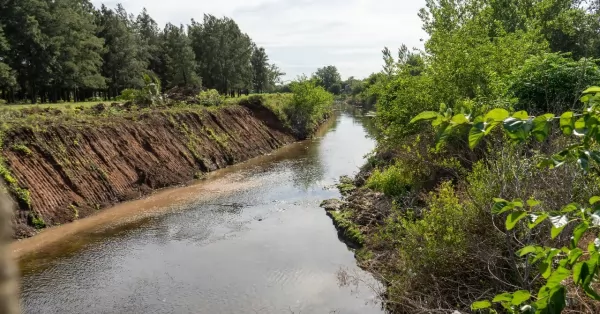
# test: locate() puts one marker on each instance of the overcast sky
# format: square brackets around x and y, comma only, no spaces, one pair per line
[303,35]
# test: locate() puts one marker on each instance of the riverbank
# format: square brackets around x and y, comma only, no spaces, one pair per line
[61,166]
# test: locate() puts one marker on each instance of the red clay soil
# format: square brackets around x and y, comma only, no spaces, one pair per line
[73,171]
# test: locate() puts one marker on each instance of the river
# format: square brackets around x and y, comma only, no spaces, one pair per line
[249,239]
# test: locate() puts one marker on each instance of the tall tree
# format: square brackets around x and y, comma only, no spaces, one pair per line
[150,43]
[7,75]
[260,69]
[79,60]
[180,63]
[123,58]
[223,53]
[328,77]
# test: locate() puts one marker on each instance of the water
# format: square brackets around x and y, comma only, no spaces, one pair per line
[263,246]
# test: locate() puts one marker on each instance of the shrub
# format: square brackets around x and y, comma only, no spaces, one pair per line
[552,82]
[128,94]
[393,181]
[308,105]
[210,97]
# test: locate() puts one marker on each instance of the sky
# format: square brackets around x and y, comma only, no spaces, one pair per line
[303,35]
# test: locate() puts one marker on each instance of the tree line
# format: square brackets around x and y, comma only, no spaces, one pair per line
[64,50]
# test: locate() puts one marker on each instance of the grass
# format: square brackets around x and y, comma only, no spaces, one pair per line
[86,104]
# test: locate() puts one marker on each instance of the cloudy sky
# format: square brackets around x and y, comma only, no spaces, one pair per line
[303,35]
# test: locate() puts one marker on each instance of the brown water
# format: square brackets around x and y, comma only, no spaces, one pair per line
[250,239]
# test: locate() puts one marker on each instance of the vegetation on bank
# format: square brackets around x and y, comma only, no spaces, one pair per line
[496,199]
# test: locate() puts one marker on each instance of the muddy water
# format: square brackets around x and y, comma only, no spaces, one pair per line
[249,239]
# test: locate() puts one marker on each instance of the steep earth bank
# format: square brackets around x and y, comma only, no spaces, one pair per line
[60,172]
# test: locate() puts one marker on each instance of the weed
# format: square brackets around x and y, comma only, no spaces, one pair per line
[37,221]
[22,149]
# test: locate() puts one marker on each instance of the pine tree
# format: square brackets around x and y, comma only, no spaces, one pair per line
[180,63]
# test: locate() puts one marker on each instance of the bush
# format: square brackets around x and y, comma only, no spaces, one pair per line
[393,181]
[309,104]
[210,97]
[128,94]
[552,82]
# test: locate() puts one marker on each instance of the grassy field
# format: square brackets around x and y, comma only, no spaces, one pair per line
[86,104]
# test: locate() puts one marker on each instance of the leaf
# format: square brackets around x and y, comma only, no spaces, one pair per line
[520,296]
[594,200]
[574,255]
[460,119]
[567,123]
[481,305]
[425,115]
[537,219]
[504,297]
[541,128]
[501,206]
[581,271]
[592,90]
[556,232]
[516,129]
[527,250]
[558,276]
[522,115]
[533,203]
[497,115]
[514,218]
[579,231]
[569,208]
[476,134]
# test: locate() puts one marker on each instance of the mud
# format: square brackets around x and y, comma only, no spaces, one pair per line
[71,172]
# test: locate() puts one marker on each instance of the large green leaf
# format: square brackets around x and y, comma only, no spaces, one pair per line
[555,232]
[514,218]
[574,255]
[527,250]
[497,115]
[579,231]
[476,134]
[567,123]
[460,119]
[425,115]
[504,297]
[522,115]
[541,128]
[481,305]
[594,200]
[520,296]
[558,276]
[501,206]
[536,219]
[592,90]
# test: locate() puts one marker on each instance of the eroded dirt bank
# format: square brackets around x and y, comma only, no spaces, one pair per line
[66,172]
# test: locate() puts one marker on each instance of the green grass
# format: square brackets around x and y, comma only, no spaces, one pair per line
[64,105]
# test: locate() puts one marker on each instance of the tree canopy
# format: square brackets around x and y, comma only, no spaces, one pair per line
[62,50]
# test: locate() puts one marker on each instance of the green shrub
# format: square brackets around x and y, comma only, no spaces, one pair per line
[128,94]
[308,105]
[393,181]
[552,82]
[210,97]
[37,221]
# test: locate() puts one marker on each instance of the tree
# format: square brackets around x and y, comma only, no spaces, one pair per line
[328,76]
[7,75]
[260,69]
[78,59]
[123,59]
[150,42]
[223,52]
[180,63]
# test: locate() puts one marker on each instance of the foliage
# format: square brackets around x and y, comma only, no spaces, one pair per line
[552,82]
[65,50]
[308,105]
[210,97]
[343,221]
[329,78]
[555,264]
[393,181]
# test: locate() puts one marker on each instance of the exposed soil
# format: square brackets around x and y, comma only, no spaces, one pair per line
[71,172]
